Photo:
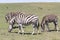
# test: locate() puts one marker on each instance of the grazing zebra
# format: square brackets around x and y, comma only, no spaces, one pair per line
[48,19]
[25,19]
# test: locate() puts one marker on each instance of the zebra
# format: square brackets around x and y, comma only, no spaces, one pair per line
[48,19]
[25,19]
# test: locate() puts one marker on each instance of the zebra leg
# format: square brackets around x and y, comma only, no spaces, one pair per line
[56,27]
[37,27]
[21,27]
[34,28]
[10,28]
[33,31]
[43,27]
[47,27]
[37,30]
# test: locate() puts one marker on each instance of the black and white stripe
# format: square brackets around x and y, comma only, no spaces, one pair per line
[25,19]
[10,15]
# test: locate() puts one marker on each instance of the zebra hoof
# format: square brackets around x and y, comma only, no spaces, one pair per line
[19,32]
[32,33]
[9,31]
[57,31]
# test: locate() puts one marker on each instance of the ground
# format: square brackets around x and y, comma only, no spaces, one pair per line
[39,9]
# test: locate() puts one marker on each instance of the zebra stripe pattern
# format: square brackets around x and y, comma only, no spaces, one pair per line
[27,18]
[22,19]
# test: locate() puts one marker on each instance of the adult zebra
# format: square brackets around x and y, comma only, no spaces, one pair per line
[25,19]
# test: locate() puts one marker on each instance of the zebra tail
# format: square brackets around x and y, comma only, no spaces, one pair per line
[38,24]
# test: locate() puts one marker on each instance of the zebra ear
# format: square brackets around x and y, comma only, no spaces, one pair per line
[6,19]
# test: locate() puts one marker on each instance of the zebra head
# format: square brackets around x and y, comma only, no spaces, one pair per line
[10,15]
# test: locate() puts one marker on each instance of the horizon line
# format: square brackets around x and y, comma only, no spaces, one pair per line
[29,2]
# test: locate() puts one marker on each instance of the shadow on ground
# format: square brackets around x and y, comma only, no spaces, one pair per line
[26,33]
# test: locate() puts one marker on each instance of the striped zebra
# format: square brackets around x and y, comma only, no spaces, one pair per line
[25,19]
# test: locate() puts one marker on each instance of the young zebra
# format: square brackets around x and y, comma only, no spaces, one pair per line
[48,19]
[25,19]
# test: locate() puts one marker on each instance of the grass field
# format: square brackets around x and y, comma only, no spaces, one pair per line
[39,9]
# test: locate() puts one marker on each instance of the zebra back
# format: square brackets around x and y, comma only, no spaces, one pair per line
[26,18]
